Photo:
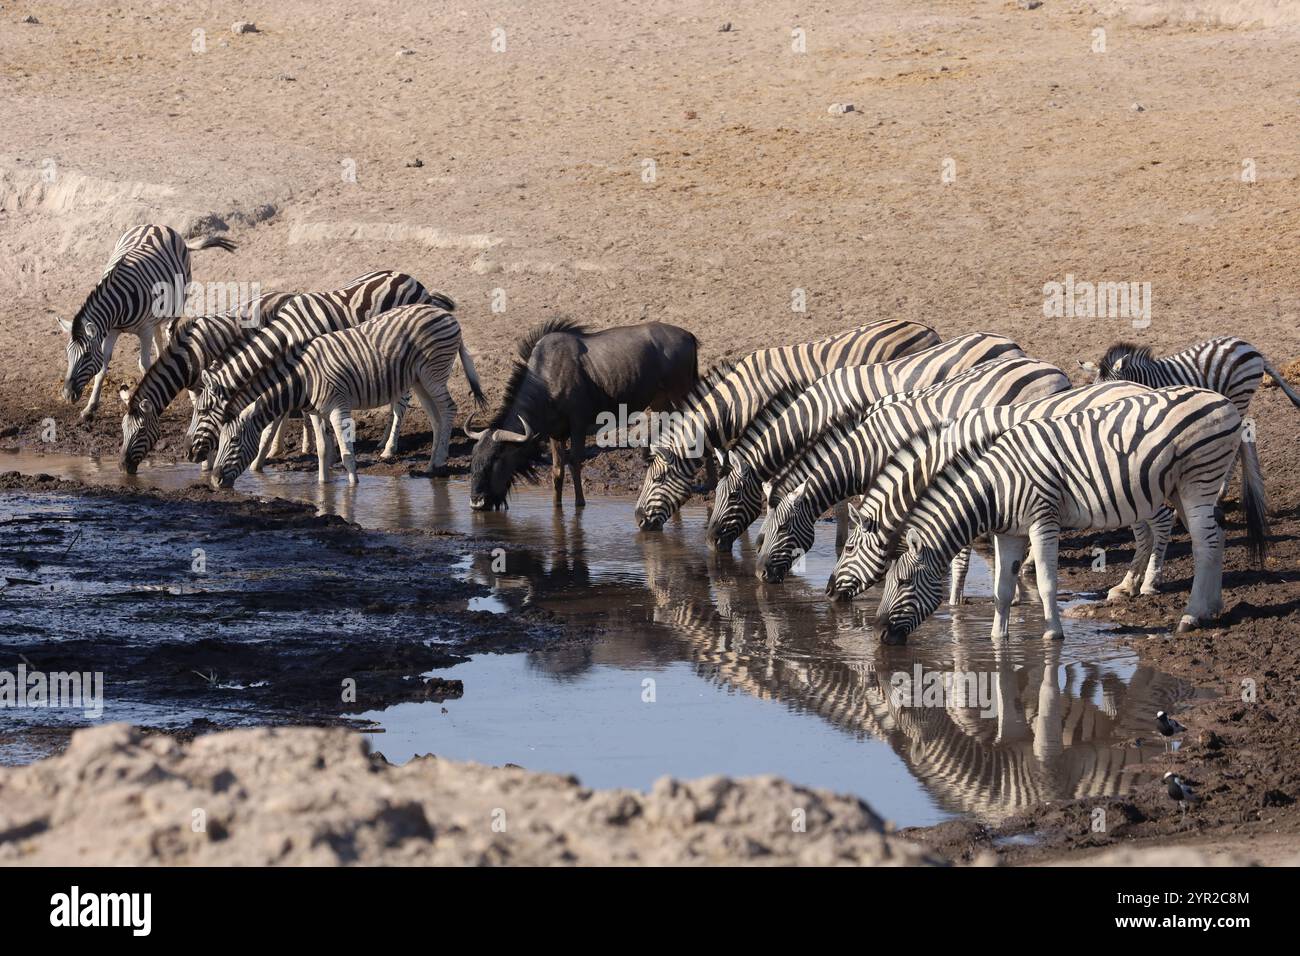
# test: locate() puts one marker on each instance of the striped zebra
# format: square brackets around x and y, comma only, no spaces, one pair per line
[1227,365]
[778,437]
[143,284]
[193,344]
[249,369]
[726,400]
[889,499]
[371,364]
[1099,468]
[848,455]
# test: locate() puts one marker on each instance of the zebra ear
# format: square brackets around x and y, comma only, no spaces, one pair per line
[1118,364]
[797,492]
[64,324]
[767,491]
[914,543]
[124,393]
[721,456]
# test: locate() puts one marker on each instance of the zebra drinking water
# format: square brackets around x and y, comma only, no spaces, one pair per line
[1100,468]
[729,396]
[142,286]
[248,369]
[193,344]
[847,456]
[368,365]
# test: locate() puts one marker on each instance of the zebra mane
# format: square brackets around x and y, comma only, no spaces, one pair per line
[1124,350]
[696,397]
[801,465]
[768,415]
[79,320]
[519,371]
[961,459]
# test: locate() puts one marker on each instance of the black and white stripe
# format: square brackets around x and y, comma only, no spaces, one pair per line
[193,344]
[250,368]
[778,437]
[142,287]
[848,455]
[372,364]
[1101,468]
[890,497]
[727,399]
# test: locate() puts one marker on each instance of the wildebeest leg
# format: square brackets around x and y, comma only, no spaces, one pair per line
[577,452]
[557,470]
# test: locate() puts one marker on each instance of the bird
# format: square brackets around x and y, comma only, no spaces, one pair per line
[1167,726]
[1180,790]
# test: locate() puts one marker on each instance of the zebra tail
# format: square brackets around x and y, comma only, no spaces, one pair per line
[471,376]
[211,242]
[1281,383]
[1254,503]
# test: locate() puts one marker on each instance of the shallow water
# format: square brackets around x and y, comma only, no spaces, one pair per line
[700,668]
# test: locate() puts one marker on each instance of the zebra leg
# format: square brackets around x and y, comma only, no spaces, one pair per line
[1008,555]
[557,470]
[1044,544]
[440,408]
[146,349]
[397,412]
[110,339]
[1144,546]
[159,338]
[276,448]
[322,449]
[957,584]
[338,415]
[1162,527]
[266,444]
[1207,558]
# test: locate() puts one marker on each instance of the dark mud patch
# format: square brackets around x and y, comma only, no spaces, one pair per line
[209,609]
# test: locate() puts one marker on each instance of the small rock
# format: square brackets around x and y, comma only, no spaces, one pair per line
[725,28]
[244,26]
[29,19]
[405,51]
[839,108]
[285,78]
[1138,108]
[1030,4]
[415,163]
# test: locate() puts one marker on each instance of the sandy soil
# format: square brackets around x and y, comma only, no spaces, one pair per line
[531,189]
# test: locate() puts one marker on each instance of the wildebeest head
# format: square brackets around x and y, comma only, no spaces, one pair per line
[500,457]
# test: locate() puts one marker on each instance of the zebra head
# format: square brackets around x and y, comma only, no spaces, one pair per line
[85,354]
[913,589]
[788,533]
[666,487]
[237,448]
[206,426]
[737,501]
[865,557]
[141,426]
[1120,363]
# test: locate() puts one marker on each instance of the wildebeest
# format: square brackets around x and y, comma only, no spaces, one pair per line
[564,378]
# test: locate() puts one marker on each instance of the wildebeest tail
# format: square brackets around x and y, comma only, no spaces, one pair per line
[211,242]
[1281,382]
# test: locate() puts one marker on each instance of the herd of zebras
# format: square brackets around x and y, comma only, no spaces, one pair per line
[939,444]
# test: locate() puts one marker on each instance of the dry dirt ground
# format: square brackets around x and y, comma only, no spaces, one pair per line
[616,163]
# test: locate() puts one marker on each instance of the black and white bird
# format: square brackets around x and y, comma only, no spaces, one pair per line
[1180,790]
[1168,727]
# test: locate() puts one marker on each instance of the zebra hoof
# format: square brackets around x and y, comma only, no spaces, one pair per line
[1051,634]
[87,416]
[1186,624]
[1150,589]
[1117,594]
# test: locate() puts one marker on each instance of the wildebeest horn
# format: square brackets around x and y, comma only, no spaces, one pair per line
[502,435]
[473,435]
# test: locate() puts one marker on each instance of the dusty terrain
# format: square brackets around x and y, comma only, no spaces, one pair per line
[1168,158]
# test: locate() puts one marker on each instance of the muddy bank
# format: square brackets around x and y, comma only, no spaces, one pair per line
[285,796]
[205,609]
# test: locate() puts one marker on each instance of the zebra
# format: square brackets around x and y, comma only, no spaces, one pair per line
[889,499]
[730,395]
[848,455]
[143,284]
[193,343]
[775,439]
[1228,365]
[409,348]
[248,369]
[1098,468]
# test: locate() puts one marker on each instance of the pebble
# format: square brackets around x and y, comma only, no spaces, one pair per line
[244,26]
[1138,108]
[1030,4]
[415,163]
[405,51]
[29,19]
[837,108]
